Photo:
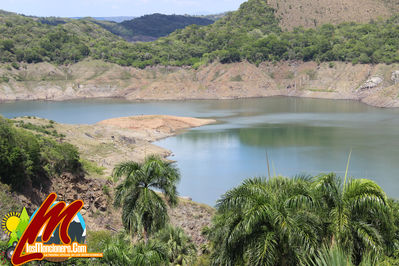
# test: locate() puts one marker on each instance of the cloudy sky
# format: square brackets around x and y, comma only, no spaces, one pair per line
[102,8]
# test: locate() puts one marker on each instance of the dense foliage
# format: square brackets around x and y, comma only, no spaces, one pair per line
[152,26]
[251,33]
[303,220]
[170,246]
[28,40]
[30,160]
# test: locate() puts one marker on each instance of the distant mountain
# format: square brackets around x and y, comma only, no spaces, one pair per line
[113,19]
[213,17]
[152,27]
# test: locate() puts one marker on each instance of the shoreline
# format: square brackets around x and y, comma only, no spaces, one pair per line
[114,140]
[195,99]
[374,85]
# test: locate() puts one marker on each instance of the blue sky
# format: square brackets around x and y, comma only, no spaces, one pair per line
[102,8]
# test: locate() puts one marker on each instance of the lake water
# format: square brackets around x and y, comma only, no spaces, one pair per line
[300,136]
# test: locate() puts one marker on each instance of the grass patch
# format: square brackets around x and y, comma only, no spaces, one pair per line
[44,129]
[289,75]
[237,78]
[4,79]
[216,75]
[92,168]
[312,74]
[126,75]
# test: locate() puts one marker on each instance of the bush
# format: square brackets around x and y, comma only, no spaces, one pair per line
[92,168]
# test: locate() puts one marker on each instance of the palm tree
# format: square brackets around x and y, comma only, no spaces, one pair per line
[151,253]
[144,211]
[180,249]
[265,222]
[117,250]
[336,256]
[357,215]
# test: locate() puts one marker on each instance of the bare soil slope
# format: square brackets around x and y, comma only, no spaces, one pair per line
[311,13]
[93,79]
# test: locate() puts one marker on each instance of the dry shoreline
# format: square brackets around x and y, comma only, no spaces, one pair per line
[376,85]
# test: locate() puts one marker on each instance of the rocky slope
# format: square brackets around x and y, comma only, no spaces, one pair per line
[312,13]
[91,79]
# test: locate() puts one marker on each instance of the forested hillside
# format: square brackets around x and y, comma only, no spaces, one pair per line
[26,39]
[158,25]
[145,28]
[251,33]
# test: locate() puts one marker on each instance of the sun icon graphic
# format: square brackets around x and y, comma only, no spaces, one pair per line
[10,222]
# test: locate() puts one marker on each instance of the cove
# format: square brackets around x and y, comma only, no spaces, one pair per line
[308,136]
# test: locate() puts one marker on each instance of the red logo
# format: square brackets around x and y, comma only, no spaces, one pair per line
[47,220]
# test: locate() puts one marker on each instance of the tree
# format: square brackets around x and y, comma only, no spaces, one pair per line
[179,247]
[357,215]
[144,211]
[151,253]
[265,222]
[117,250]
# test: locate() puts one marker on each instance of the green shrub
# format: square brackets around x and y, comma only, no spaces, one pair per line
[92,168]
[15,65]
[4,79]
[237,78]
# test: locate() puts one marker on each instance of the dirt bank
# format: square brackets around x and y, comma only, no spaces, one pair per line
[93,79]
[164,124]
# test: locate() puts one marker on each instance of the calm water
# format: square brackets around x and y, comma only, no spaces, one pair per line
[300,135]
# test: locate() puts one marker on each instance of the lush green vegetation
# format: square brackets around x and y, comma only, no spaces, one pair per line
[252,33]
[31,160]
[151,26]
[27,40]
[305,221]
[44,129]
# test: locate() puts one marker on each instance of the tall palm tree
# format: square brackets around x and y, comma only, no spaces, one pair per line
[180,249]
[265,222]
[357,215]
[144,211]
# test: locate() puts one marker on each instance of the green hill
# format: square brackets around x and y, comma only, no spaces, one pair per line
[253,33]
[151,27]
[29,40]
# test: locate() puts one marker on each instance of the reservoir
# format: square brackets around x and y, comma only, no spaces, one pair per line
[300,136]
